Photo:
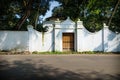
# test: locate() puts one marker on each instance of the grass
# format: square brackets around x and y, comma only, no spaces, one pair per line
[4,52]
[86,52]
[56,52]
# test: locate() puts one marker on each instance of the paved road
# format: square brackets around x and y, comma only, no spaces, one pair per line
[59,67]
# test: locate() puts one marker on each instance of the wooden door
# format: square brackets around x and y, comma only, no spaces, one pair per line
[68,41]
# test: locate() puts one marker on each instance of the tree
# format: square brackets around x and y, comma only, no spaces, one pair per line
[28,7]
[114,19]
[16,14]
[8,9]
[93,13]
[69,8]
[34,8]
[113,12]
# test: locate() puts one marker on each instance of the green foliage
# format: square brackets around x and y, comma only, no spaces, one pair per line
[69,8]
[10,8]
[92,23]
[42,28]
[93,12]
[115,26]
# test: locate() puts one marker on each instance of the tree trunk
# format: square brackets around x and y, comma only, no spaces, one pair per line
[25,16]
[113,13]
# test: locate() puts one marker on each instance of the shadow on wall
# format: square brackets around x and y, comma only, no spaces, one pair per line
[99,48]
[52,48]
[112,44]
[26,70]
[108,48]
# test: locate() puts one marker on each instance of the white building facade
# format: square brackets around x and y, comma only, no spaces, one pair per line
[61,36]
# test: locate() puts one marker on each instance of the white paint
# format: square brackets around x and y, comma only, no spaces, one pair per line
[66,26]
[92,41]
[14,40]
[31,40]
[36,43]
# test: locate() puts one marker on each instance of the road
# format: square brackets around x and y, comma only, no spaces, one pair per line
[60,67]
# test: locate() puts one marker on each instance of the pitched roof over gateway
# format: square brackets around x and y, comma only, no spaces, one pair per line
[68,21]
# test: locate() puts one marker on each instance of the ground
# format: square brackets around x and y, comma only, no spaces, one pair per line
[60,67]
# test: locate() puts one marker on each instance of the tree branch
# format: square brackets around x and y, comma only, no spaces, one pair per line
[25,16]
[113,13]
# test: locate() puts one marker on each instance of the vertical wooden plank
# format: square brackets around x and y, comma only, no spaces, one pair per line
[68,41]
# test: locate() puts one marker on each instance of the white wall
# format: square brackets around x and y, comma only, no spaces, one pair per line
[103,40]
[14,40]
[66,26]
[91,41]
[111,40]
[40,42]
[32,40]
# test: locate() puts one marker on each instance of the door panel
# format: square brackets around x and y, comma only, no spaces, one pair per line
[68,41]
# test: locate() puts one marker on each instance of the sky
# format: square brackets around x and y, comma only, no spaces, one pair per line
[49,12]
